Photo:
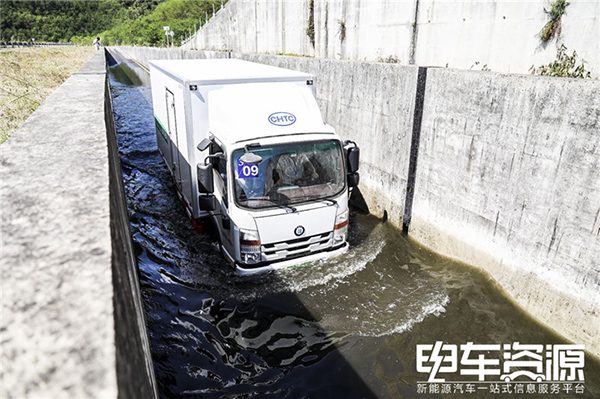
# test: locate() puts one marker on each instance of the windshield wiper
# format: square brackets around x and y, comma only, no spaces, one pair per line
[328,200]
[288,208]
[279,201]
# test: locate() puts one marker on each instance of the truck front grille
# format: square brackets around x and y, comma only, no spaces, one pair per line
[297,247]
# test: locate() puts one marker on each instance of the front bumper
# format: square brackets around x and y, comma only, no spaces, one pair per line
[247,271]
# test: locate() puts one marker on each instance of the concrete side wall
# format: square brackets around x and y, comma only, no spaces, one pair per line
[273,26]
[506,178]
[502,35]
[62,318]
[135,369]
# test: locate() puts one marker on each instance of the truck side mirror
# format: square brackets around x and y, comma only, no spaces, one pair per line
[203,145]
[205,178]
[207,202]
[353,179]
[352,157]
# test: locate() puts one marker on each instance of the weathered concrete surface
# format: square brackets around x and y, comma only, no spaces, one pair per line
[134,366]
[501,35]
[508,180]
[273,26]
[507,177]
[58,314]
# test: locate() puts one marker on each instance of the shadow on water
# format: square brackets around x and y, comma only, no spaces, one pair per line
[342,328]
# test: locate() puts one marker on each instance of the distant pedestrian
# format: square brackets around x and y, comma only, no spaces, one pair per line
[96,43]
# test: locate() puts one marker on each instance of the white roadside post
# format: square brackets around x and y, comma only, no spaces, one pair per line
[166,29]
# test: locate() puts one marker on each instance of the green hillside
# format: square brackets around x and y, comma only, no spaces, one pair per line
[78,21]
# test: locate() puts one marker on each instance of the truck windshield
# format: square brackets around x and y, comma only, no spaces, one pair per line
[289,174]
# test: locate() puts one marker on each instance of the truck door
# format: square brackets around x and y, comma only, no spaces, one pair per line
[222,215]
[172,131]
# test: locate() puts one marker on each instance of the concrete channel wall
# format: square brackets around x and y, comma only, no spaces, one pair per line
[505,178]
[501,35]
[72,318]
[508,180]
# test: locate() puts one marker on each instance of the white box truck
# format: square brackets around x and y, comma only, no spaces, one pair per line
[247,147]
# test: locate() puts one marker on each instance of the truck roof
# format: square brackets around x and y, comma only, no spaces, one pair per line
[221,71]
[242,112]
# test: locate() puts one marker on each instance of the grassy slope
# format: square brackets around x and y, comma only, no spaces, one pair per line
[29,75]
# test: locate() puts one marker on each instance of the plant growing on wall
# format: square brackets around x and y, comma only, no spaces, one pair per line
[564,66]
[310,29]
[342,30]
[391,59]
[553,27]
[484,68]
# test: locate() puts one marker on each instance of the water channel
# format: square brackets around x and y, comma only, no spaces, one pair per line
[342,328]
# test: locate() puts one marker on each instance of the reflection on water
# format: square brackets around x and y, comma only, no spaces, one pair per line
[342,328]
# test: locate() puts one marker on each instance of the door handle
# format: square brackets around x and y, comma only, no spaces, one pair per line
[226,223]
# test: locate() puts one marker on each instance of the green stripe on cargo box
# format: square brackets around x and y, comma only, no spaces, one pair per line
[161,129]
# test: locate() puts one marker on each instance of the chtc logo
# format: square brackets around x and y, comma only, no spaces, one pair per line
[282,119]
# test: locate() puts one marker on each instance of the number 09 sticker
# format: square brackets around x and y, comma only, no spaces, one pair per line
[246,171]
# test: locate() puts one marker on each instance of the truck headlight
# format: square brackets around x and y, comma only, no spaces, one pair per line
[340,228]
[249,246]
